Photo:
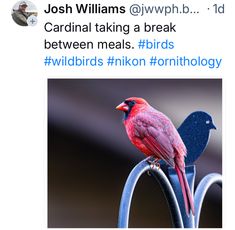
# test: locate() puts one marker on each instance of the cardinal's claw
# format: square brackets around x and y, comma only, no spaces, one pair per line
[149,173]
[154,163]
[158,165]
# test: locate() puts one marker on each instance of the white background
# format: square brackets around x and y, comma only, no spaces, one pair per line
[23,99]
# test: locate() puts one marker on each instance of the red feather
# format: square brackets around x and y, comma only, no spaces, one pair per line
[154,134]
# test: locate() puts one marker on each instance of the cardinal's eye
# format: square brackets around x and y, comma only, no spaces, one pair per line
[207,122]
[130,103]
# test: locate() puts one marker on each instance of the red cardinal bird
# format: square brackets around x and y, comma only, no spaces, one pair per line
[154,134]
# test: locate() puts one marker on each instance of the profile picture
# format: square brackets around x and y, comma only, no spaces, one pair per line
[24,13]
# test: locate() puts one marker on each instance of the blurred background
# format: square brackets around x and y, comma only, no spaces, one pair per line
[90,156]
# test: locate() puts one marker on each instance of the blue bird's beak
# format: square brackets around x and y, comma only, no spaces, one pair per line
[213,126]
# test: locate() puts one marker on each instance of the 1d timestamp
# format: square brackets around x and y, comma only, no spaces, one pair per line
[218,8]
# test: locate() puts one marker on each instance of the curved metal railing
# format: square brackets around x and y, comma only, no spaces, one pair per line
[170,186]
[128,191]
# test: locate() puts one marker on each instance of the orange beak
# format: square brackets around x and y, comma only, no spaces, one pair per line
[123,107]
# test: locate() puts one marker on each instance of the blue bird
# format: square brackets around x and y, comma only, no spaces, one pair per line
[195,133]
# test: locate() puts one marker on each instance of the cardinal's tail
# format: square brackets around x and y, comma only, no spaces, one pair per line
[188,199]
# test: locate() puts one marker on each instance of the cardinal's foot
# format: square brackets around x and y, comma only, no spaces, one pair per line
[154,162]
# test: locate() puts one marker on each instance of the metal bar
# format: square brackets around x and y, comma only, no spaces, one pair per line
[202,188]
[138,170]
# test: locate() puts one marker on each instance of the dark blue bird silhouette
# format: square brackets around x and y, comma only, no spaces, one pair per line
[195,133]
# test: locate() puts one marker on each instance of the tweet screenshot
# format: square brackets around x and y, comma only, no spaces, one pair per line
[117,114]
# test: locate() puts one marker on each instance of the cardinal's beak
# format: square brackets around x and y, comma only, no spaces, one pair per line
[123,107]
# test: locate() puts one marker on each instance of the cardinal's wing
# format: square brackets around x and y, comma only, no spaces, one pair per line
[155,137]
